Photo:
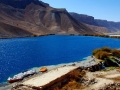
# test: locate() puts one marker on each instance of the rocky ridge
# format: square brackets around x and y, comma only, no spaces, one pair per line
[101,25]
[37,18]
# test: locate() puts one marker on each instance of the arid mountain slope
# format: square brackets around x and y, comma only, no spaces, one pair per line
[37,17]
[112,26]
[99,24]
[97,29]
[8,31]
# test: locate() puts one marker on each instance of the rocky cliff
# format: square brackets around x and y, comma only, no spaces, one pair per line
[36,17]
[108,26]
[112,26]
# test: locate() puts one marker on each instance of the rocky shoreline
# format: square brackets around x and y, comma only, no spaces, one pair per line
[90,65]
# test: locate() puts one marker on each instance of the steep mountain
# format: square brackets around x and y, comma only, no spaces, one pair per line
[34,17]
[98,29]
[84,18]
[101,25]
[8,31]
[112,26]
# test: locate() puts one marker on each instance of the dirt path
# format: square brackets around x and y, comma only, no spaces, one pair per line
[103,78]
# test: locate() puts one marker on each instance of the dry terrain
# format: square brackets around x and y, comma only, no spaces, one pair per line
[35,17]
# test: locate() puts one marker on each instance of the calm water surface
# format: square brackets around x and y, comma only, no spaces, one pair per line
[20,54]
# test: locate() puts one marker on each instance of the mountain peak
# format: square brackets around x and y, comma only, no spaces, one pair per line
[21,4]
[36,18]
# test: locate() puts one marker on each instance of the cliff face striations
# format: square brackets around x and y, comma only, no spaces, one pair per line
[97,24]
[34,17]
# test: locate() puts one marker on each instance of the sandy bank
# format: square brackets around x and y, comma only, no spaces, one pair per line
[48,77]
[87,62]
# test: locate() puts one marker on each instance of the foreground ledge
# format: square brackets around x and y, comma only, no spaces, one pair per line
[45,80]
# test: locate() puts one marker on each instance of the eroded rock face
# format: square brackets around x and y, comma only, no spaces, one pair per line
[37,17]
[85,18]
[102,25]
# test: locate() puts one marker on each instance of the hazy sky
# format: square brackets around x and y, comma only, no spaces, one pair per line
[100,9]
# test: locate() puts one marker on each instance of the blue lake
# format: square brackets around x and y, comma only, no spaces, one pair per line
[20,54]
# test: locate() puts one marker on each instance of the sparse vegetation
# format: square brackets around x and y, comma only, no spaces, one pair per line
[102,53]
[116,52]
[100,35]
[108,54]
[75,77]
[115,37]
[76,74]
[110,68]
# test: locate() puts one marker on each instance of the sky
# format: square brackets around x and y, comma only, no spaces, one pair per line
[99,9]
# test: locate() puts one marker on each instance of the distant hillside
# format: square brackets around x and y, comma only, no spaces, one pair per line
[98,29]
[8,31]
[34,17]
[108,25]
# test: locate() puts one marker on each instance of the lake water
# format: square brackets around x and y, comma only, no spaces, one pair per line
[20,54]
